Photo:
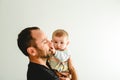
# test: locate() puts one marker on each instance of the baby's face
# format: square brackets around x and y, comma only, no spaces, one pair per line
[60,43]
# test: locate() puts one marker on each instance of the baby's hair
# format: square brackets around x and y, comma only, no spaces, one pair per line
[60,33]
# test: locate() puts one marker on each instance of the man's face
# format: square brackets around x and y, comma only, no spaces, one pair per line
[42,44]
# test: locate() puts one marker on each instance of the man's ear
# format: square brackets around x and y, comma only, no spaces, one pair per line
[31,51]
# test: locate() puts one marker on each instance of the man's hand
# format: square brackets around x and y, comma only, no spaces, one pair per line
[63,75]
[64,78]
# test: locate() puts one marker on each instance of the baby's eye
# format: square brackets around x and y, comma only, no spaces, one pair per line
[55,42]
[62,42]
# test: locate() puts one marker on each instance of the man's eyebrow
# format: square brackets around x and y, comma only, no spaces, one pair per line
[43,40]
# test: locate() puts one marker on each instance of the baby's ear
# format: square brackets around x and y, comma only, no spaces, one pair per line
[31,51]
[68,42]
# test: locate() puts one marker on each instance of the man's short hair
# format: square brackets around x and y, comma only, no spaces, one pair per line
[25,39]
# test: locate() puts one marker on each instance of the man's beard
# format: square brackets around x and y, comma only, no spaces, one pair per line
[44,57]
[43,54]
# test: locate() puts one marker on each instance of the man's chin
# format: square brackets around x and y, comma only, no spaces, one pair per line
[48,56]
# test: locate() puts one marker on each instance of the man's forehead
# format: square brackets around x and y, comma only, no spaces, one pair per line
[37,33]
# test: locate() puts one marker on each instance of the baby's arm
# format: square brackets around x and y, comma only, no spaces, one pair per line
[72,70]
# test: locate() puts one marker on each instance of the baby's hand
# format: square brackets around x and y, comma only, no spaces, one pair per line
[52,49]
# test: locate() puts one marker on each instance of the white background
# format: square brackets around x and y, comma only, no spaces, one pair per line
[93,26]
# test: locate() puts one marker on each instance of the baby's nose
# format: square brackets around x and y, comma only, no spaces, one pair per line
[58,45]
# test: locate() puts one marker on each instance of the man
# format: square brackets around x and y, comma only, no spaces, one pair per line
[33,42]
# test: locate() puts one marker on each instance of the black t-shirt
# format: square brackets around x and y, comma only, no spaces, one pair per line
[40,72]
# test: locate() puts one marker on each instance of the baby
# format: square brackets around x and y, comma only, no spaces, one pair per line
[60,59]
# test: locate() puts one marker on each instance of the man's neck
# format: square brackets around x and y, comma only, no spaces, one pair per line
[39,61]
